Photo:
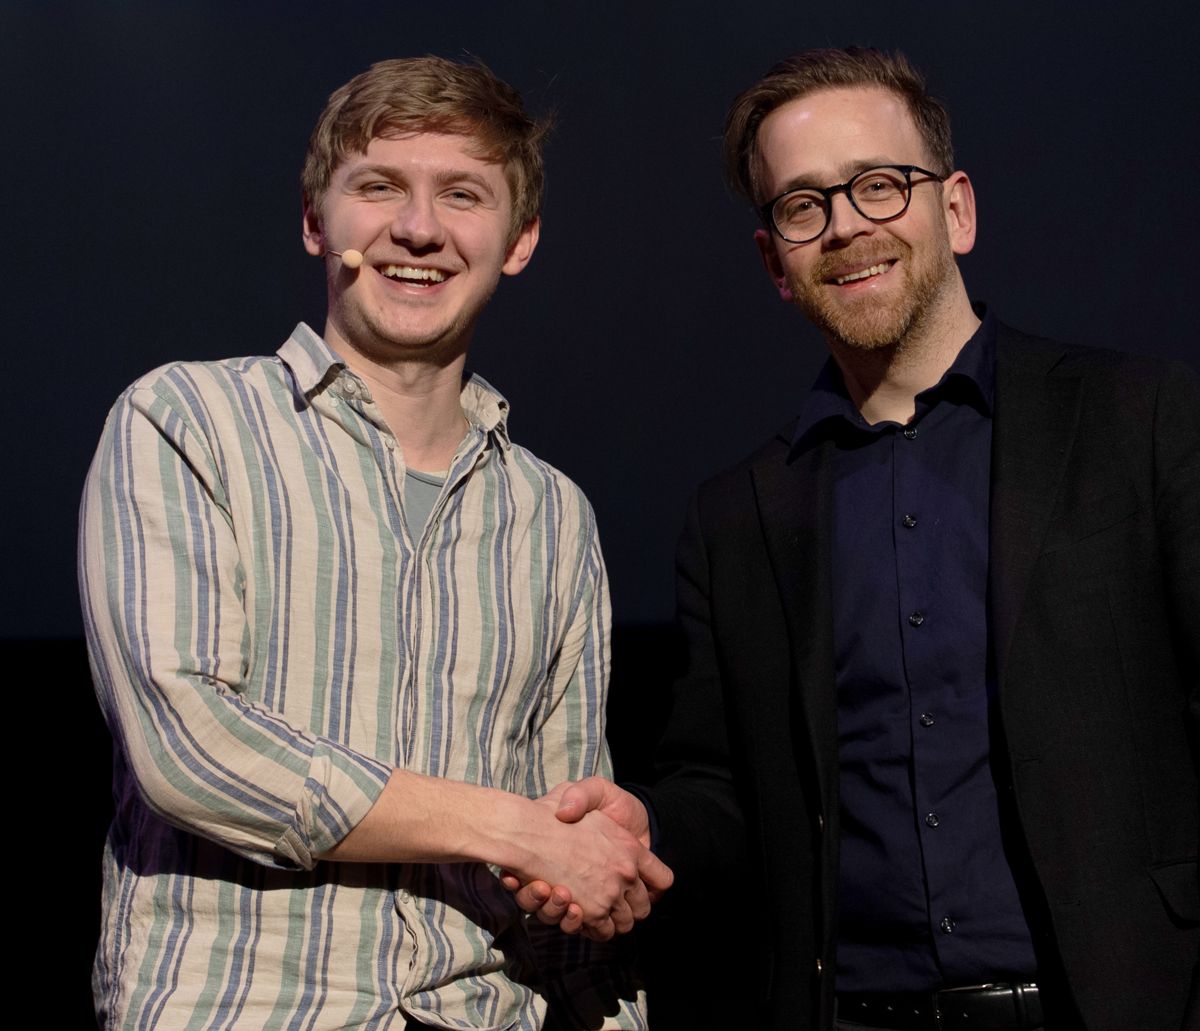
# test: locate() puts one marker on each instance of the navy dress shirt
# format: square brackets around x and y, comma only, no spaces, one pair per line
[927,896]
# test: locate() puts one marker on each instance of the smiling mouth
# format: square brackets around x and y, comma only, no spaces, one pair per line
[412,274]
[867,273]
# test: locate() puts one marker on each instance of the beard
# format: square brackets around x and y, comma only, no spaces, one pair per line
[869,322]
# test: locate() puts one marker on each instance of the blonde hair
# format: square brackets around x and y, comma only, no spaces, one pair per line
[431,94]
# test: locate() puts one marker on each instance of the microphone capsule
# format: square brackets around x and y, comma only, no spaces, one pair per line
[350,258]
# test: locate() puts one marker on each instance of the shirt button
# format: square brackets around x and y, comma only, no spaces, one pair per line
[931,820]
[926,719]
[405,896]
[947,925]
[820,967]
[916,619]
[909,521]
[910,432]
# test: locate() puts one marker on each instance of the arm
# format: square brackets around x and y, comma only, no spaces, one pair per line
[582,979]
[1177,505]
[163,579]
[696,784]
[163,584]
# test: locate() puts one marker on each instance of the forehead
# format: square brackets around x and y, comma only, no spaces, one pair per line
[825,137]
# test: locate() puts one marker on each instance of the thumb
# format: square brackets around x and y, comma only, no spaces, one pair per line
[579,799]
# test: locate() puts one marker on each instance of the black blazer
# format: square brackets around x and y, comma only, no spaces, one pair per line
[1094,608]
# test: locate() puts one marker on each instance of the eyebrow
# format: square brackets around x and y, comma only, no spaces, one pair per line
[846,171]
[446,177]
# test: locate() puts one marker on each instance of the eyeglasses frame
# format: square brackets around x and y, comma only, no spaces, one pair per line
[767,211]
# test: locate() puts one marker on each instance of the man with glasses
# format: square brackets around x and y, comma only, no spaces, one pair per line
[943,630]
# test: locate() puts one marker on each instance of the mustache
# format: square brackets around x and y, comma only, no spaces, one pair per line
[867,253]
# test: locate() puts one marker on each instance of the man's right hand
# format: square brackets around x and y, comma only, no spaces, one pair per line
[573,801]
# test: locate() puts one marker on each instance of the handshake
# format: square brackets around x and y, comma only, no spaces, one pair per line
[599,877]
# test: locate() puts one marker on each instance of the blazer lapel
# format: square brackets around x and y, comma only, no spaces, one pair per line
[1036,412]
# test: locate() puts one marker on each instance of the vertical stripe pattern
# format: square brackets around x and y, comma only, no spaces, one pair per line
[268,642]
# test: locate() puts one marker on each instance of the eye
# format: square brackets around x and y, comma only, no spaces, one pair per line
[460,198]
[879,186]
[377,188]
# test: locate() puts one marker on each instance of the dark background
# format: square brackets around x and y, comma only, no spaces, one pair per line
[151,213]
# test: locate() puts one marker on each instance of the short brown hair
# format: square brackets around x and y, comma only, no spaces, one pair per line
[813,70]
[431,94]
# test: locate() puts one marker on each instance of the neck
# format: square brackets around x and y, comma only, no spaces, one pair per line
[883,382]
[419,401]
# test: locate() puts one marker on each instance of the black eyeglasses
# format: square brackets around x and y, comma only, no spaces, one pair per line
[878,194]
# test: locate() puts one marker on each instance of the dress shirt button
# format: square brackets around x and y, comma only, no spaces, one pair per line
[909,521]
[910,432]
[916,619]
[405,896]
[926,719]
[931,820]
[947,925]
[820,967]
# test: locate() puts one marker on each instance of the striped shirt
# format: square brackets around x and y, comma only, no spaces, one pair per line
[268,641]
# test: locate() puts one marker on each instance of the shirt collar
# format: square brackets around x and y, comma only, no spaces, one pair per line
[314,365]
[971,377]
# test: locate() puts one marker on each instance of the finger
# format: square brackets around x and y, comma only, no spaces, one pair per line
[555,907]
[572,923]
[655,874]
[601,930]
[510,880]
[638,900]
[533,896]
[622,917]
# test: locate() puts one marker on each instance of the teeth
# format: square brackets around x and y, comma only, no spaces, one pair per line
[414,275]
[866,273]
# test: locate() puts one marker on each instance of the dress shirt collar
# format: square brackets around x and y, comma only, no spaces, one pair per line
[315,365]
[971,377]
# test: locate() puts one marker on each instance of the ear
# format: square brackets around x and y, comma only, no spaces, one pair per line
[958,205]
[314,238]
[771,262]
[521,249]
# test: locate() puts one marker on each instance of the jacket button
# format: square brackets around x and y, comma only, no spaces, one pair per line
[821,822]
[820,967]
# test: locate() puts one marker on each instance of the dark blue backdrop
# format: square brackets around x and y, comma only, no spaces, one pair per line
[152,213]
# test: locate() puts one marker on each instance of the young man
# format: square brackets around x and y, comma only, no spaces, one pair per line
[944,628]
[344,630]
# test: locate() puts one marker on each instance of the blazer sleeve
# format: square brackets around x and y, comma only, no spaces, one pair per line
[699,820]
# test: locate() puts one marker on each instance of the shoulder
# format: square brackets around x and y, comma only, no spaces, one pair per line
[1134,385]
[189,383]
[546,492]
[1037,353]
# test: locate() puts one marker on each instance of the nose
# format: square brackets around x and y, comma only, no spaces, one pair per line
[845,221]
[415,223]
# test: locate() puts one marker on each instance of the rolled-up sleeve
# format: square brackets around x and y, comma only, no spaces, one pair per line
[163,589]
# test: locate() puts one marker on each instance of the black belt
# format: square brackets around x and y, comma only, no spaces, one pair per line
[985,1007]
